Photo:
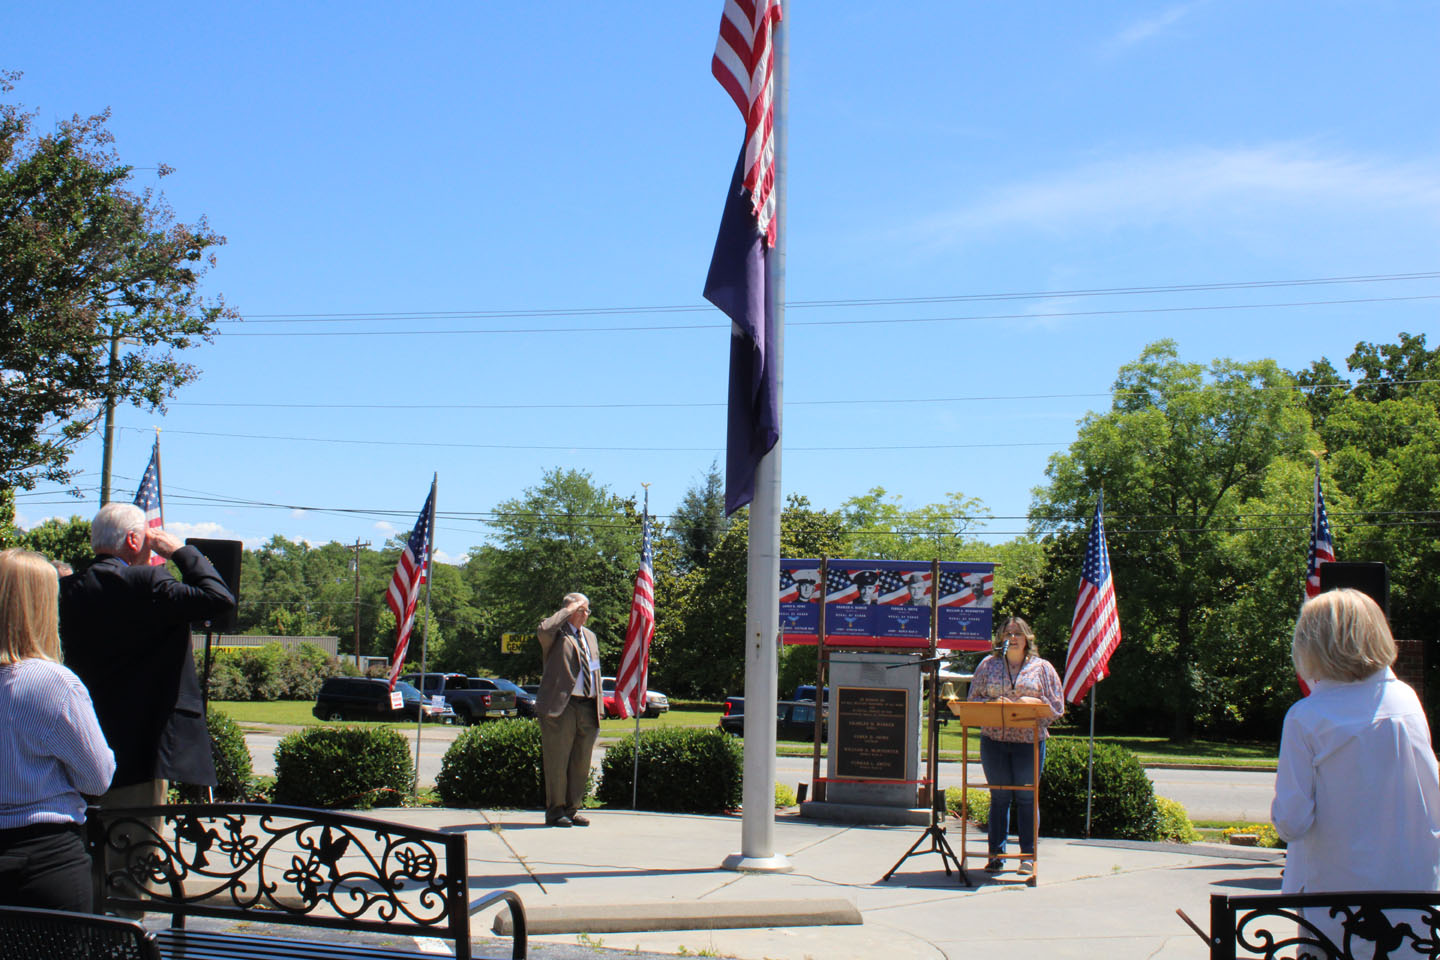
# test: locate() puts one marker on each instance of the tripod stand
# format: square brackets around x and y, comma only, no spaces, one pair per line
[935,833]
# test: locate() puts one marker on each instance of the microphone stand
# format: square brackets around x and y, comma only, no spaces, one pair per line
[935,833]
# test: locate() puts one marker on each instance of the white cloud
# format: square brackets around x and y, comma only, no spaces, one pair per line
[385,526]
[1142,30]
[1239,185]
[296,512]
[209,530]
[453,559]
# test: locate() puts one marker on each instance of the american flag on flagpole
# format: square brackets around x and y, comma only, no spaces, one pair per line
[633,680]
[150,499]
[410,573]
[1322,548]
[744,63]
[1095,629]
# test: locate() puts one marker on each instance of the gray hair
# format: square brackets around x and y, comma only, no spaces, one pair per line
[576,596]
[112,524]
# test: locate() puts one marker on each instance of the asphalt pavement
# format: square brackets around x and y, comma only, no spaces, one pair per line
[1206,794]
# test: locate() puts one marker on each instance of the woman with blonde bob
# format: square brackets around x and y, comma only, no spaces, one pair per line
[52,752]
[1357,790]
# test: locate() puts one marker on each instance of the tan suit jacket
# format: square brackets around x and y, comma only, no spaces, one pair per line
[565,655]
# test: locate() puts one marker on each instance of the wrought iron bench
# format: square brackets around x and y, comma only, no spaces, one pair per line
[27,933]
[1337,926]
[270,864]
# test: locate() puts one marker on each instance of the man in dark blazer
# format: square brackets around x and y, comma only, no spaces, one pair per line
[125,630]
[569,706]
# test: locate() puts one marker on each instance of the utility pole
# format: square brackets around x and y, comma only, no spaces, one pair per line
[109,413]
[355,565]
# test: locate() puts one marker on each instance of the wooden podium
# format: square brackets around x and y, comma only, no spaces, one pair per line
[992,714]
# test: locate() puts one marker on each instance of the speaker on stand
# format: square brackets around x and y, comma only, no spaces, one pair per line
[224,555]
[1372,579]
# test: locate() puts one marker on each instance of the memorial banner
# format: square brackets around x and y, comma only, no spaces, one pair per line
[887,603]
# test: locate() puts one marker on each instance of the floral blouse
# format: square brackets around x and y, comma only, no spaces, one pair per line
[995,678]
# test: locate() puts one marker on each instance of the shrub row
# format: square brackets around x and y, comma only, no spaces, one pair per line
[270,672]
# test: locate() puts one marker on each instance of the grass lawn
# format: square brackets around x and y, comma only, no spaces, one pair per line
[1151,750]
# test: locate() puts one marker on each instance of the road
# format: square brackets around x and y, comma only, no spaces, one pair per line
[1206,794]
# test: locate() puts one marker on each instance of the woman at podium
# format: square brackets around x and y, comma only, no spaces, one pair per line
[1014,673]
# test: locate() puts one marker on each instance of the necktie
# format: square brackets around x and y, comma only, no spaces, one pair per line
[584,665]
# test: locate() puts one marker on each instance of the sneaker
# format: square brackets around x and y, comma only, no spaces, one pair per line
[1027,866]
[994,865]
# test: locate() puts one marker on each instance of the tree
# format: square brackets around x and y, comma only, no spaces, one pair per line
[87,264]
[65,541]
[564,535]
[880,527]
[1181,453]
[699,522]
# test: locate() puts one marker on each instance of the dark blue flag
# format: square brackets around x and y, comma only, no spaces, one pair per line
[737,285]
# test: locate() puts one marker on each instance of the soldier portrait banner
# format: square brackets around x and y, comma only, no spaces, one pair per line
[887,603]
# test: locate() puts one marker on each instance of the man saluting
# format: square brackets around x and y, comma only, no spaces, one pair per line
[568,706]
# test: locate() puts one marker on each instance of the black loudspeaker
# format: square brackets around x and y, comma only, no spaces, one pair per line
[225,555]
[1369,578]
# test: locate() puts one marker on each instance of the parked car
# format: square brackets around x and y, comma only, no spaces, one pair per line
[656,702]
[472,700]
[806,691]
[524,700]
[368,698]
[794,720]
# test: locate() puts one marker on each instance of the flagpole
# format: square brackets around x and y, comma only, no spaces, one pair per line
[762,572]
[425,632]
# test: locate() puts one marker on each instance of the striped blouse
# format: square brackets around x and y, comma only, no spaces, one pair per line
[51,749]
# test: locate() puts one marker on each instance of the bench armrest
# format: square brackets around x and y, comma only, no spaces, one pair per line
[517,916]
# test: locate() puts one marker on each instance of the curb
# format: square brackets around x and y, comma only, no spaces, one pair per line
[678,915]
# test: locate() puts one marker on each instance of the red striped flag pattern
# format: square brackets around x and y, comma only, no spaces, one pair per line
[404,590]
[632,682]
[744,64]
[1322,548]
[1095,629]
[150,499]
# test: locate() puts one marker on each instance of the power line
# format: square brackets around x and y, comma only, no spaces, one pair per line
[634,328]
[809,304]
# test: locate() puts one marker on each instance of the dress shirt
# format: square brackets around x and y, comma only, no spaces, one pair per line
[1357,791]
[51,747]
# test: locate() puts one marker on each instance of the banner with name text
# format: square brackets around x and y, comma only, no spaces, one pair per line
[887,603]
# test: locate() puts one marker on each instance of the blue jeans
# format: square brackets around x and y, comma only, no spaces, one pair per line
[1010,763]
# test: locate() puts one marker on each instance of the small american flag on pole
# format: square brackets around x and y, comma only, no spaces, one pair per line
[1322,548]
[410,573]
[633,680]
[149,498]
[1095,629]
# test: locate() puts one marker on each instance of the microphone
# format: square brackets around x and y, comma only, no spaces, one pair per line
[1005,652]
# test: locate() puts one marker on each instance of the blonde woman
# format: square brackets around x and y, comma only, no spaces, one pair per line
[52,752]
[1014,673]
[1357,790]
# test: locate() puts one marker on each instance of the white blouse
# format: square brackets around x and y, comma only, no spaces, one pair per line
[1357,791]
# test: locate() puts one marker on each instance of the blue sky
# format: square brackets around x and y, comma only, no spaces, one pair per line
[449,171]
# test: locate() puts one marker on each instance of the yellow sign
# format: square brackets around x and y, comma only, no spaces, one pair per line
[515,642]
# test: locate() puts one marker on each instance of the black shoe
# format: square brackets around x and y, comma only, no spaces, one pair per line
[560,822]
[579,820]
[994,865]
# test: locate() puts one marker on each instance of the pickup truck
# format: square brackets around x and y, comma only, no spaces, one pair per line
[470,700]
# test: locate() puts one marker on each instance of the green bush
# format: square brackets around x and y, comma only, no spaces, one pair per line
[784,796]
[343,767]
[1265,834]
[1124,801]
[1175,823]
[979,804]
[233,769]
[682,769]
[494,764]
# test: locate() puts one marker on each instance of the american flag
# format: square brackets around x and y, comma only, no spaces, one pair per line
[633,679]
[410,573]
[744,63]
[149,498]
[1322,548]
[1095,630]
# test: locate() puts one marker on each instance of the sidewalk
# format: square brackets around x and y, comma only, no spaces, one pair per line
[1093,898]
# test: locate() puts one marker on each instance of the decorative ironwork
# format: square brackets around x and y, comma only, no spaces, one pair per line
[295,862]
[1326,926]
